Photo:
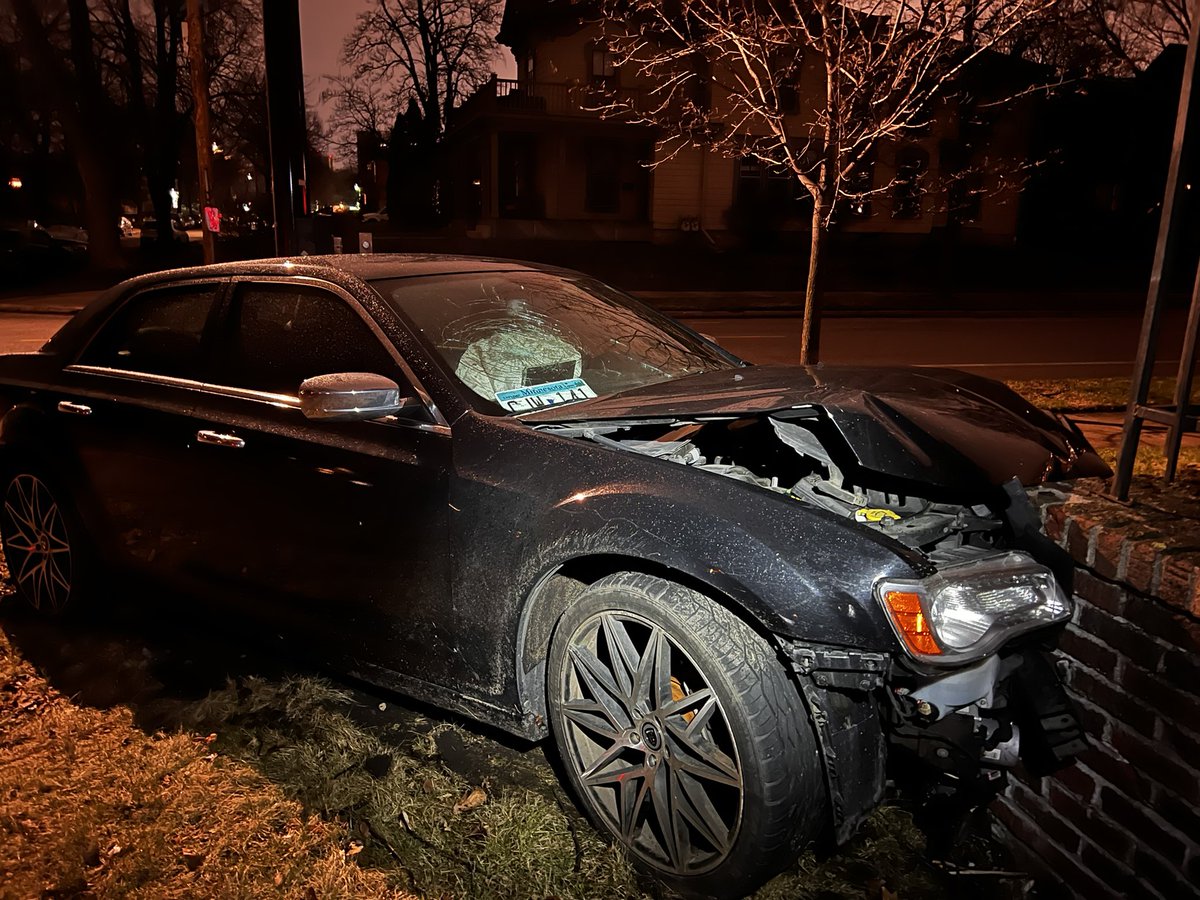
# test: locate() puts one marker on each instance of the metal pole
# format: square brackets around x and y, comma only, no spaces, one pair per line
[1139,389]
[1183,384]
[199,68]
[285,116]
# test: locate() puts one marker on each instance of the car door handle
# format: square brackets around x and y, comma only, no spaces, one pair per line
[74,409]
[220,440]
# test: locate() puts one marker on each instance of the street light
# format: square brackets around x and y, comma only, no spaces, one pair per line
[15,183]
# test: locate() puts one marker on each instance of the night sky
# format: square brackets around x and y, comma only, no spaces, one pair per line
[323,27]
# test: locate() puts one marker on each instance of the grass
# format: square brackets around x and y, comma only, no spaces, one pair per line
[91,806]
[404,805]
[520,842]
[274,786]
[1088,394]
[1111,394]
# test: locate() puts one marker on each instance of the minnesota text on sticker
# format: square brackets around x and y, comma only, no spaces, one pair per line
[536,396]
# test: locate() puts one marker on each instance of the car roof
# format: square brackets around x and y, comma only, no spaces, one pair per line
[365,266]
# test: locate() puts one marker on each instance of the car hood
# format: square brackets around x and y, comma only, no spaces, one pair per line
[936,427]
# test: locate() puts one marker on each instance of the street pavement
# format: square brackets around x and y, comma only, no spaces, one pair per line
[998,346]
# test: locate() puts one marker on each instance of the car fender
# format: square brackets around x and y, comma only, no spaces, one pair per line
[543,506]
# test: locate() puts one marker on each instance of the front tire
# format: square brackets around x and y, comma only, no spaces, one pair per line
[683,735]
[43,545]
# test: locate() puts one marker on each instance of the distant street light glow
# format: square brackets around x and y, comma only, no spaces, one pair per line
[15,183]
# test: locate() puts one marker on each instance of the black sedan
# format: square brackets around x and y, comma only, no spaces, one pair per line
[739,599]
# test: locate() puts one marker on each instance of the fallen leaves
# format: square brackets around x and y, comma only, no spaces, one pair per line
[473,800]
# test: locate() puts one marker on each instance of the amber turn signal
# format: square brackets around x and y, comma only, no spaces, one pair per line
[909,616]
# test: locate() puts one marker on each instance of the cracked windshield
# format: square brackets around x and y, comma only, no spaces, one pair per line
[525,341]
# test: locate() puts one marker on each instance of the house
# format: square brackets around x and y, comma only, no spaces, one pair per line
[533,157]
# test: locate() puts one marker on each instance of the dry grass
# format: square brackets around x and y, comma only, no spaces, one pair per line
[91,806]
[1087,394]
[405,805]
[519,842]
[273,788]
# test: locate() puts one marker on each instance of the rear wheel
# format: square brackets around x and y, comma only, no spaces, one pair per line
[683,735]
[42,545]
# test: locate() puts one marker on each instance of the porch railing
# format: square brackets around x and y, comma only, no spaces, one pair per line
[500,95]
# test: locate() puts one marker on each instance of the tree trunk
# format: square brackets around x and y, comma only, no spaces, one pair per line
[80,105]
[101,210]
[810,336]
[162,147]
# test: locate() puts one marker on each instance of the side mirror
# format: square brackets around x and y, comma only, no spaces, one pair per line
[352,395]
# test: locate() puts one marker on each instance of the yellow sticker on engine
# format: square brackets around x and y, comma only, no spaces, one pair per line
[875,516]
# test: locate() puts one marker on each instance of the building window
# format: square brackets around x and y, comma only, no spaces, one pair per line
[912,163]
[857,190]
[966,198]
[773,184]
[603,68]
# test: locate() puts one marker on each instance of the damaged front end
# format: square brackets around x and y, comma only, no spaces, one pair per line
[969,690]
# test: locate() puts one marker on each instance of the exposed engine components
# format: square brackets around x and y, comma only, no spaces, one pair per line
[798,454]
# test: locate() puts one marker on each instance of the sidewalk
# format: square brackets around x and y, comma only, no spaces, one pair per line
[61,304]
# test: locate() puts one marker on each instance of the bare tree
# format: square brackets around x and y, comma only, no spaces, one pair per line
[1139,30]
[58,42]
[1089,38]
[435,51]
[358,105]
[144,55]
[811,88]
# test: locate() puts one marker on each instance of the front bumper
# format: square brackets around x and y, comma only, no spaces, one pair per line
[933,734]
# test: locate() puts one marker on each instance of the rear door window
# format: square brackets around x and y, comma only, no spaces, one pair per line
[277,335]
[157,332]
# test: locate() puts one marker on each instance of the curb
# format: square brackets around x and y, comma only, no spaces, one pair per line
[41,309]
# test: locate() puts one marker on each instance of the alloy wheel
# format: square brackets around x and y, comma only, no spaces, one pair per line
[37,546]
[650,744]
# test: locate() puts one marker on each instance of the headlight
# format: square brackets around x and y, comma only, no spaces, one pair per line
[966,611]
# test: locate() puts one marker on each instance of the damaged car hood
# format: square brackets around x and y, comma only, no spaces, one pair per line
[941,428]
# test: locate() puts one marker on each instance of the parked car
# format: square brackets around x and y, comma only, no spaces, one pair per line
[26,251]
[29,250]
[375,217]
[739,599]
[73,234]
[150,232]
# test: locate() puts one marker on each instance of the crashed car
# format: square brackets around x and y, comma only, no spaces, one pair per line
[741,600]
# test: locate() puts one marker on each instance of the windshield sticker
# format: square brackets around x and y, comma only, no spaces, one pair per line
[539,396]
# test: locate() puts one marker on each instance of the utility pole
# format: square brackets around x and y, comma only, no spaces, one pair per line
[285,117]
[203,131]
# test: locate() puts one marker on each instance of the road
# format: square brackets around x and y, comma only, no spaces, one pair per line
[21,333]
[997,346]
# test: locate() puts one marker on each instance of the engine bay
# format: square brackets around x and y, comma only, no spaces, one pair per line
[799,454]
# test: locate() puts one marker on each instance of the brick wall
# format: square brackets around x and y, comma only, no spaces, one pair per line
[1124,821]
